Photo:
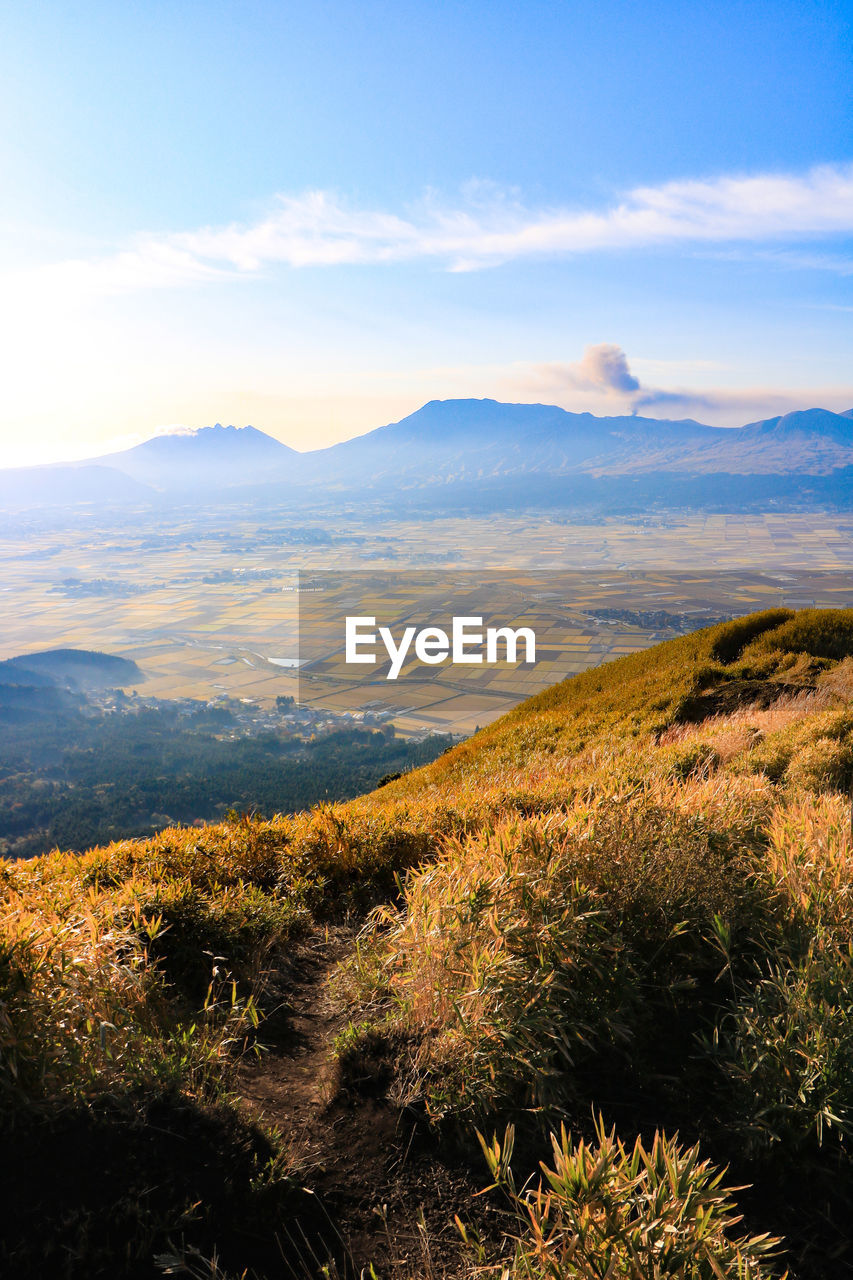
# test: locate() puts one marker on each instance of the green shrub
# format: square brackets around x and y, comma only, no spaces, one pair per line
[784,1047]
[605,1211]
[823,765]
[528,952]
[770,757]
[731,638]
[822,633]
[694,760]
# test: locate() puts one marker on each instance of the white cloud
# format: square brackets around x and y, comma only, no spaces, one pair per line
[317,229]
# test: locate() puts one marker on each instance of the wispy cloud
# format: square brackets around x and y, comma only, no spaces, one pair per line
[318,229]
[790,259]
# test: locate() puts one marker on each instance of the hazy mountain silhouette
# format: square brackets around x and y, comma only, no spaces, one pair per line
[466,440]
[209,457]
[805,442]
[478,452]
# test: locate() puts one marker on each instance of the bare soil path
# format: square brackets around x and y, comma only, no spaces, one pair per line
[386,1190]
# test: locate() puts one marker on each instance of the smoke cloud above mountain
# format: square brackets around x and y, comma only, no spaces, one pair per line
[603,369]
[603,382]
[605,366]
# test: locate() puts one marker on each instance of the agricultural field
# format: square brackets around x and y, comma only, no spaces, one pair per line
[579,619]
[208,605]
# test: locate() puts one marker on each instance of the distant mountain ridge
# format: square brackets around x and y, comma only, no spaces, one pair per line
[465,440]
[475,447]
[804,442]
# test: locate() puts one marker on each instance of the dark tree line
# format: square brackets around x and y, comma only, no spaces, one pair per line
[73,775]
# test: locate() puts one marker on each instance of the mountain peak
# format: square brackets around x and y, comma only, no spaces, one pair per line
[806,422]
[217,456]
[217,431]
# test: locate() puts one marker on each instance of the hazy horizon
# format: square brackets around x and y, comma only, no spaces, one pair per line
[183,429]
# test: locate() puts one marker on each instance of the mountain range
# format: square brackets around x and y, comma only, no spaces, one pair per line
[475,451]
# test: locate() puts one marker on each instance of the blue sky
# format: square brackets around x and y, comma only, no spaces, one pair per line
[314,218]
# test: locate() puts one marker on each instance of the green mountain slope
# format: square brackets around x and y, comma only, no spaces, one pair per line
[626,904]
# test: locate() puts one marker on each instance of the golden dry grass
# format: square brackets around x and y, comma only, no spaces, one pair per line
[596,887]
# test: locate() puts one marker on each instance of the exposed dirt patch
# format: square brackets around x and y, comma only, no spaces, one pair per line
[295,1077]
[383,1182]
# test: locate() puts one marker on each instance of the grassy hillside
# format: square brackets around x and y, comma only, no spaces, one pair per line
[612,930]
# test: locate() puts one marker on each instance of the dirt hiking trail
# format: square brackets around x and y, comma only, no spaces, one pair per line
[382,1183]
